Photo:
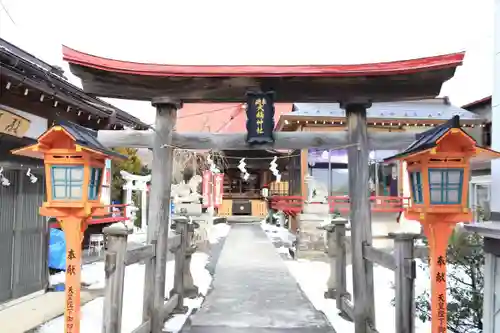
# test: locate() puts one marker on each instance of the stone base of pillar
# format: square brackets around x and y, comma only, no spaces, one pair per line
[332,294]
[190,290]
[180,310]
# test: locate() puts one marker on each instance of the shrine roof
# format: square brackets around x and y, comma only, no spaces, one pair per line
[430,139]
[88,138]
[22,70]
[428,109]
[415,78]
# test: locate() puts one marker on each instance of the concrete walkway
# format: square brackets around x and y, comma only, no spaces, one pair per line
[254,292]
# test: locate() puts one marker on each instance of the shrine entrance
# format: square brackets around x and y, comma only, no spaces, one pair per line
[355,87]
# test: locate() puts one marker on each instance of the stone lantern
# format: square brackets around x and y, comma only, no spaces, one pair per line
[439,171]
[74,165]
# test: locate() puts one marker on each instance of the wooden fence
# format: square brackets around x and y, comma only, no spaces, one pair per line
[118,258]
[402,263]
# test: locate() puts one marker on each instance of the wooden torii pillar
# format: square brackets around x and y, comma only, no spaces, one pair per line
[357,86]
[159,210]
[360,215]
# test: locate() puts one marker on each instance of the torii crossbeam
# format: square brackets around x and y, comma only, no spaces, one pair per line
[237,141]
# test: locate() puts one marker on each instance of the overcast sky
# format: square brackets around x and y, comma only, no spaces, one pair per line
[260,32]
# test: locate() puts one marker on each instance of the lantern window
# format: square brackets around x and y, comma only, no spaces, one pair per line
[445,186]
[94,183]
[416,187]
[67,182]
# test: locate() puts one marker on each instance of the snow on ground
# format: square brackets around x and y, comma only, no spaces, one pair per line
[217,232]
[92,276]
[91,317]
[281,237]
[137,237]
[312,277]
[276,233]
[202,279]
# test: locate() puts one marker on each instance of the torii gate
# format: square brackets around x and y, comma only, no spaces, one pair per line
[136,183]
[354,86]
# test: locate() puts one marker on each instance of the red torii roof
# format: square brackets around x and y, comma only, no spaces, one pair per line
[377,82]
[219,117]
[382,68]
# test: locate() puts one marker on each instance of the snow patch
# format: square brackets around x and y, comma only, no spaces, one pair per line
[217,232]
[91,315]
[138,237]
[278,234]
[92,276]
[202,279]
[313,275]
[282,239]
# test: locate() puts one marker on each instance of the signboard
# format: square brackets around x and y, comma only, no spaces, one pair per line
[218,189]
[206,191]
[13,124]
[260,117]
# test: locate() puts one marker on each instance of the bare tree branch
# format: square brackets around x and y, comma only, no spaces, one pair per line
[190,163]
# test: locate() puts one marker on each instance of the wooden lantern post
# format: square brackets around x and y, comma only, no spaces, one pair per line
[439,170]
[74,165]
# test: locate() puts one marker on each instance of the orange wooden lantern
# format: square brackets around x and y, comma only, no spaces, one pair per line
[439,171]
[74,165]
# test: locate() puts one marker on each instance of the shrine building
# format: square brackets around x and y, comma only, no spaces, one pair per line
[244,197]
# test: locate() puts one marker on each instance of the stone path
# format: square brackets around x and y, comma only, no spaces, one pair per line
[254,292]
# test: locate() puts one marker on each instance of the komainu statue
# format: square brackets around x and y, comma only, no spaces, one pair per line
[187,192]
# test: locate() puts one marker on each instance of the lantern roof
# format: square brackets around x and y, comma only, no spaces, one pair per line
[430,139]
[84,137]
[88,138]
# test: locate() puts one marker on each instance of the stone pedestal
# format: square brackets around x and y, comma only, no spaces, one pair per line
[312,240]
[201,234]
[190,290]
[187,208]
[337,254]
[316,208]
